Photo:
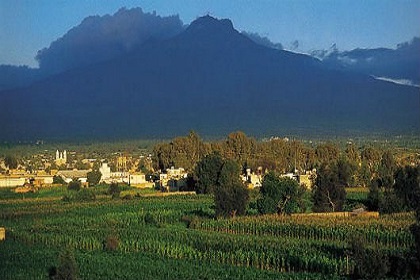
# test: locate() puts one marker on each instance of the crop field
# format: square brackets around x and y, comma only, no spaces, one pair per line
[176,237]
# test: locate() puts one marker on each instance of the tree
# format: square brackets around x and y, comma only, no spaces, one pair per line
[345,172]
[114,190]
[371,157]
[327,153]
[207,173]
[374,197]
[58,180]
[74,185]
[11,162]
[279,195]
[328,193]
[231,196]
[386,170]
[94,177]
[407,186]
[67,267]
[239,147]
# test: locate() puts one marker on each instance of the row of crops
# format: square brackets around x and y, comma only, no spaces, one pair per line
[181,228]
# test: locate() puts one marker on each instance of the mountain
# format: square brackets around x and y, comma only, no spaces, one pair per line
[214,80]
[401,64]
[100,38]
[17,76]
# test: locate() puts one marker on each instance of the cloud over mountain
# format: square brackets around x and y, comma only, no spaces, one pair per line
[262,40]
[402,63]
[100,38]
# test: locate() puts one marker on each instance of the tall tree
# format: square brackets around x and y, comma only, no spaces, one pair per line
[11,162]
[231,197]
[328,193]
[94,177]
[239,147]
[279,195]
[207,173]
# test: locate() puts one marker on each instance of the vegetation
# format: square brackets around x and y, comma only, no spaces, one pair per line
[231,196]
[94,177]
[226,231]
[329,193]
[279,195]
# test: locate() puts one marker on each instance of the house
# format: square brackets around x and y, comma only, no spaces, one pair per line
[252,179]
[173,179]
[69,175]
[12,181]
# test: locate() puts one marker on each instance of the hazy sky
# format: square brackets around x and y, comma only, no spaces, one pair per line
[27,26]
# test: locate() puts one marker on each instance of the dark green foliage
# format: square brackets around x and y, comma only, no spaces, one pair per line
[407,185]
[150,219]
[94,177]
[346,171]
[207,173]
[58,180]
[386,170]
[85,195]
[11,162]
[67,267]
[231,197]
[374,196]
[279,195]
[391,203]
[328,194]
[74,185]
[369,263]
[114,190]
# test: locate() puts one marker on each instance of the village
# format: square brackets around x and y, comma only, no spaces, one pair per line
[62,167]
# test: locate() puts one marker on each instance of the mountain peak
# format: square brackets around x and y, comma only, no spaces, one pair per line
[210,24]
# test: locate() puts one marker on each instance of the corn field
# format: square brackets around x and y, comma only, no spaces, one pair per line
[156,227]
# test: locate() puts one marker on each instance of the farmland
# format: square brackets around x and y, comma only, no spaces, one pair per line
[177,237]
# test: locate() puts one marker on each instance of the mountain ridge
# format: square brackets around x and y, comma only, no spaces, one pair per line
[211,81]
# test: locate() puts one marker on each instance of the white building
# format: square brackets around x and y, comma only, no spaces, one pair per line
[105,171]
[60,157]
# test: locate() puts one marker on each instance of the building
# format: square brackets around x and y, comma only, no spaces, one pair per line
[69,175]
[173,179]
[105,171]
[253,180]
[60,157]
[12,181]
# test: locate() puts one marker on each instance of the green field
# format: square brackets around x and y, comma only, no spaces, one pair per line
[176,237]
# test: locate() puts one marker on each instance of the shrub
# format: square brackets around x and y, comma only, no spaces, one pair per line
[74,185]
[111,243]
[369,264]
[67,268]
[114,190]
[85,195]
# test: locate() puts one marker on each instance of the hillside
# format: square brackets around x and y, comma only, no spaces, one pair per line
[214,80]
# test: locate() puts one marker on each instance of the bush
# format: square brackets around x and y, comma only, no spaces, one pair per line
[111,243]
[114,190]
[149,219]
[85,195]
[369,264]
[74,185]
[67,268]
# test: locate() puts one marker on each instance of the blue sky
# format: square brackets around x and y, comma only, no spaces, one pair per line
[27,26]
